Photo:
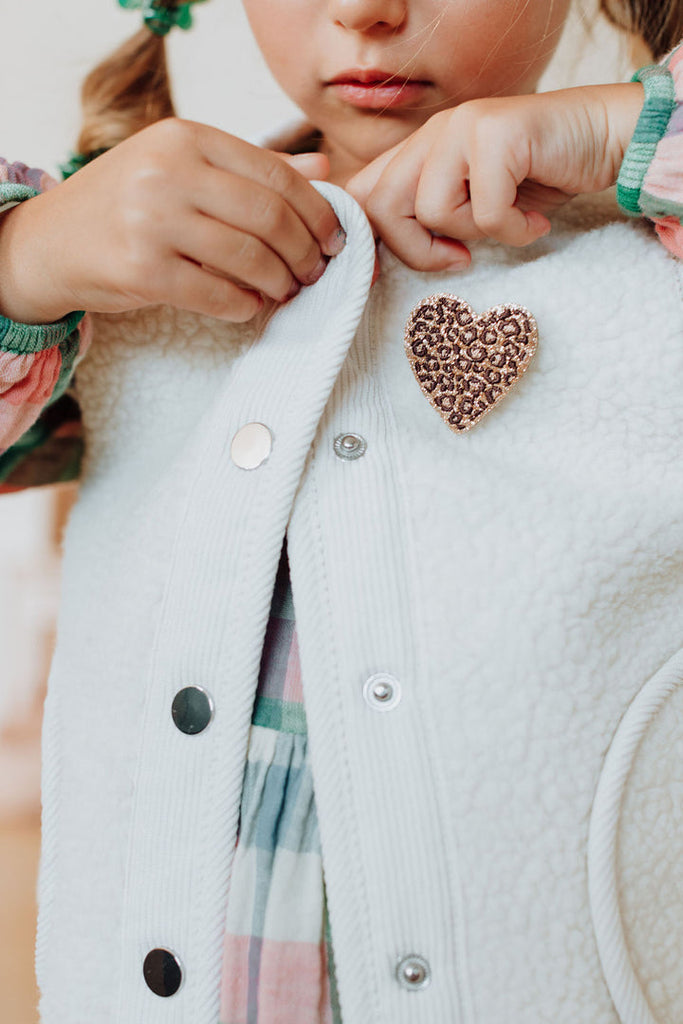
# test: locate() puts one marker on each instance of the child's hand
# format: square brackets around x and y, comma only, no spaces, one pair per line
[494,168]
[180,213]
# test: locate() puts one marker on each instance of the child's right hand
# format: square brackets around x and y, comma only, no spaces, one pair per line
[181,214]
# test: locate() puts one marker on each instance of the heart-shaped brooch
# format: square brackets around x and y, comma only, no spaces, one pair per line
[464,363]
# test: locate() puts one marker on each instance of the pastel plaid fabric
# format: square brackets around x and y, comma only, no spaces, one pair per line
[277,958]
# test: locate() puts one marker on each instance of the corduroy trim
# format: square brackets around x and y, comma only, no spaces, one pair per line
[660,101]
[222,568]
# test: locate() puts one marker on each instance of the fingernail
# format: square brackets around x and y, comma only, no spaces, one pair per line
[317,273]
[294,290]
[336,243]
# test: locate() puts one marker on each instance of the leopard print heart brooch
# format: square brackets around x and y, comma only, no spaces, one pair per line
[464,363]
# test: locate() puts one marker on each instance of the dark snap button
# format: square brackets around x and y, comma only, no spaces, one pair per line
[192,709]
[162,972]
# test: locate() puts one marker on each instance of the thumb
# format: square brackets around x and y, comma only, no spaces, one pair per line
[311,165]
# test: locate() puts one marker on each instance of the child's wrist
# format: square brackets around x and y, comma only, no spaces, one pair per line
[25,292]
[612,115]
[625,106]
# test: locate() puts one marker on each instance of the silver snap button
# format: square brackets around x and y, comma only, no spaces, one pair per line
[382,691]
[192,709]
[162,972]
[251,445]
[413,972]
[349,446]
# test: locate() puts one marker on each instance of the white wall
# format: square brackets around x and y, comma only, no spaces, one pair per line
[218,73]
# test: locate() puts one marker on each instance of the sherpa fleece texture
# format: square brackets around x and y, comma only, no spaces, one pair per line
[516,818]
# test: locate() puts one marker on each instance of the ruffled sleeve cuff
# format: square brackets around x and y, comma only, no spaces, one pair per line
[37,363]
[19,181]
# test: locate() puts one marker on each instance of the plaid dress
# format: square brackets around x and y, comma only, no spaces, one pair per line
[277,954]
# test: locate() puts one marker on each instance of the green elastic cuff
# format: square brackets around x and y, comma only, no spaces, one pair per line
[23,339]
[660,101]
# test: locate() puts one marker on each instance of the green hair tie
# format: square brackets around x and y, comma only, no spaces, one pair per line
[78,160]
[160,17]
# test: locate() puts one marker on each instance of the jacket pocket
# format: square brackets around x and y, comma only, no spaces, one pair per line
[635,854]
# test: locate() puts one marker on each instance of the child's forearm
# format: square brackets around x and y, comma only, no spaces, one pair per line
[614,111]
[24,289]
[27,294]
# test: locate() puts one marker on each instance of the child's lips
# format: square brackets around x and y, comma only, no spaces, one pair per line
[375,95]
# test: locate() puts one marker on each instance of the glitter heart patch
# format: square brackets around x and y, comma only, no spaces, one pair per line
[466,363]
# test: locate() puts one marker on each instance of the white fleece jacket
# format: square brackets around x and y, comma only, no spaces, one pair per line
[516,818]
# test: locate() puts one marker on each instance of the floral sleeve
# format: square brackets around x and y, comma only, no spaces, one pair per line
[40,425]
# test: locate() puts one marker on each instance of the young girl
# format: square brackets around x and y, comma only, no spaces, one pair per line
[473,454]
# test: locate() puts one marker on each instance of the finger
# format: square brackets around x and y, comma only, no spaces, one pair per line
[230,153]
[442,198]
[244,257]
[314,166]
[391,208]
[533,196]
[200,291]
[234,202]
[493,194]
[422,250]
[361,184]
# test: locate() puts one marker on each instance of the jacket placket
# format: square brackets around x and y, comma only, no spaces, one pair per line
[210,634]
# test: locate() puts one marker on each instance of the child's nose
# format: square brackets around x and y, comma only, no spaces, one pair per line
[364,14]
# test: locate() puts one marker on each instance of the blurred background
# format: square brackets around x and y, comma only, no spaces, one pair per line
[219,78]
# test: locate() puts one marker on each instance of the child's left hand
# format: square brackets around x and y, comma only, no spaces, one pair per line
[494,168]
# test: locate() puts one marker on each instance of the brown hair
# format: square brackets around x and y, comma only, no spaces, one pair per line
[127,91]
[659,23]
